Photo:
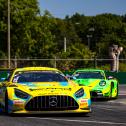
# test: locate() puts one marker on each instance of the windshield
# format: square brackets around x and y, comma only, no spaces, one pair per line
[38,76]
[92,75]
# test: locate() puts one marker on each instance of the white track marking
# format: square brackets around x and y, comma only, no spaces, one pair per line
[101,107]
[122,93]
[80,121]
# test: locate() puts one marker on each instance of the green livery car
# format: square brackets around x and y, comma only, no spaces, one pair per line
[100,85]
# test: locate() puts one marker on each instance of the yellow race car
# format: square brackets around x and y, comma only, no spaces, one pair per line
[42,90]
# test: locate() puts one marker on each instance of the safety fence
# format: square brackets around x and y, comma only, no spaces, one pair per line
[64,64]
[70,65]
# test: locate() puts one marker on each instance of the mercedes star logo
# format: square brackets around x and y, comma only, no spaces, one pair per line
[53,101]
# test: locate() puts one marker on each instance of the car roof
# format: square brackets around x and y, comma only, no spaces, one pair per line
[37,69]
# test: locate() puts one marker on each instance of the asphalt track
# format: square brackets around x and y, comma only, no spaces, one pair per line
[104,113]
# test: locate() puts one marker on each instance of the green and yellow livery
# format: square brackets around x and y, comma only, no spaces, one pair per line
[99,84]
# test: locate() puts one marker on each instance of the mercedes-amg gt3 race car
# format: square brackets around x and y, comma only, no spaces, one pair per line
[100,85]
[43,90]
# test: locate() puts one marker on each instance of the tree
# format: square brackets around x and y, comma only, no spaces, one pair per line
[23,16]
[3,27]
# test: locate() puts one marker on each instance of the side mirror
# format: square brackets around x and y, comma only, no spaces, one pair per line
[68,76]
[110,77]
[2,79]
[74,78]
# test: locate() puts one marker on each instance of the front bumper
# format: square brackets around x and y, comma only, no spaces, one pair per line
[96,94]
[86,110]
[99,94]
[51,104]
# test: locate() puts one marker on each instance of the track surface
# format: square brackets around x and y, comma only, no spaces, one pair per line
[104,113]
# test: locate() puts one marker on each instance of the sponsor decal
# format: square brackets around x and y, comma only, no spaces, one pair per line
[52,89]
[84,102]
[18,102]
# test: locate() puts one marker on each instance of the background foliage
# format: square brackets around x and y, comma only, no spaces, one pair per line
[34,35]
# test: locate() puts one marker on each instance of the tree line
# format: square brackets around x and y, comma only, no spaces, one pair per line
[36,34]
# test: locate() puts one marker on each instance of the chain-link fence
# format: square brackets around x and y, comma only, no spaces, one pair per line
[64,64]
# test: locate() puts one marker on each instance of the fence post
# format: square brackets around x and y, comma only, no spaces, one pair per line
[15,62]
[55,62]
[95,62]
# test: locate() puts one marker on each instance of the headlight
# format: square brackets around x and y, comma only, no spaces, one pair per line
[79,93]
[102,83]
[21,94]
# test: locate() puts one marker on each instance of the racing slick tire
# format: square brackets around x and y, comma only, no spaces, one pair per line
[6,103]
[111,91]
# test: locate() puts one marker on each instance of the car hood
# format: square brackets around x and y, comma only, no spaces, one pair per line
[91,83]
[46,88]
[46,84]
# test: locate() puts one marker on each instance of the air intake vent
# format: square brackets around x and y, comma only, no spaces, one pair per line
[51,103]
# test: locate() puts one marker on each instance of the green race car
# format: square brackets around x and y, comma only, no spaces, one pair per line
[100,85]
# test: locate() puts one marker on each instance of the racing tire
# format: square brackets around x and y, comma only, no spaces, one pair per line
[116,93]
[111,90]
[6,103]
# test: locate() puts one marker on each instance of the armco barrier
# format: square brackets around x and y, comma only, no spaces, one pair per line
[121,76]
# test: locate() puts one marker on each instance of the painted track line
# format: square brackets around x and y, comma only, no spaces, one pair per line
[81,121]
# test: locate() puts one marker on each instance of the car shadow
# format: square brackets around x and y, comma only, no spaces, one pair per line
[99,99]
[51,115]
